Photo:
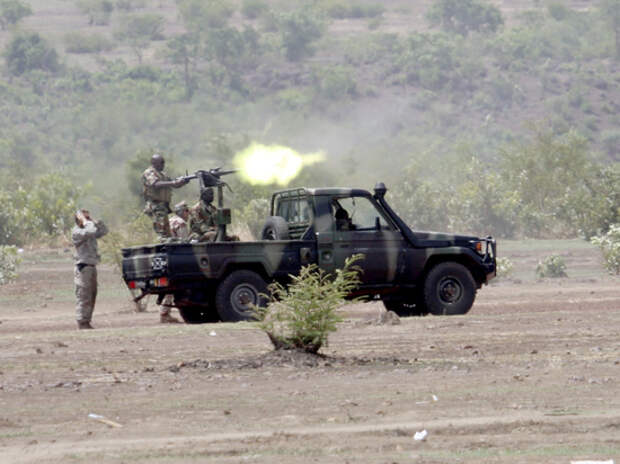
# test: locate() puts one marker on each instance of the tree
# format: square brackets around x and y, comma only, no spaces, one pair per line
[298,30]
[611,11]
[199,15]
[183,50]
[463,16]
[98,11]
[12,11]
[30,51]
[139,30]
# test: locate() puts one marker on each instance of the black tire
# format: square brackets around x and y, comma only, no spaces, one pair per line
[275,228]
[449,289]
[404,306]
[236,294]
[199,314]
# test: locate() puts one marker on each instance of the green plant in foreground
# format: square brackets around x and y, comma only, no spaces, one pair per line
[9,260]
[551,266]
[300,316]
[609,244]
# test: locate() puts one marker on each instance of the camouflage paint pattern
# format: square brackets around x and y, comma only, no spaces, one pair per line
[395,258]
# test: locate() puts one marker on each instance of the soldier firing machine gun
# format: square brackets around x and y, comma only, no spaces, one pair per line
[210,179]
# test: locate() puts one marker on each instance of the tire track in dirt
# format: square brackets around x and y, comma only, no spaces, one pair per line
[56,452]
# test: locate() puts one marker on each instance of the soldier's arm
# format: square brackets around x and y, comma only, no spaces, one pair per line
[152,180]
[102,229]
[79,234]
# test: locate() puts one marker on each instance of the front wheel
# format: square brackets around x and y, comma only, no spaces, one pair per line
[449,289]
[237,295]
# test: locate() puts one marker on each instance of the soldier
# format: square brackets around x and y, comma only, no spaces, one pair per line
[202,217]
[178,222]
[178,231]
[157,189]
[84,236]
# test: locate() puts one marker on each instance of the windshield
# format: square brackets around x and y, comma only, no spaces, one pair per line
[357,213]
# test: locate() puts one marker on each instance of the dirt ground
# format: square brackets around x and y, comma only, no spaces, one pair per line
[531,374]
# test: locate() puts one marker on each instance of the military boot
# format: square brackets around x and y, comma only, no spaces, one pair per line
[166,318]
[84,325]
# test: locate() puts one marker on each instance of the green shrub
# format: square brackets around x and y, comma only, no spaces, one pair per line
[9,260]
[76,42]
[252,9]
[299,30]
[98,11]
[609,244]
[12,11]
[551,266]
[302,315]
[335,82]
[341,9]
[611,141]
[29,51]
[463,16]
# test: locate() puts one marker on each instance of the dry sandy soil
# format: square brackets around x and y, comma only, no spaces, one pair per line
[531,374]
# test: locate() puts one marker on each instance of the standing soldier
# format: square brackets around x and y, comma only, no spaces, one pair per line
[84,236]
[178,231]
[157,188]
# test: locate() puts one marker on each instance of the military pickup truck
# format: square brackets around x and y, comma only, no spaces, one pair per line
[411,272]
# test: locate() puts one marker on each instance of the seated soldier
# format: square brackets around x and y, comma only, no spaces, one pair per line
[178,222]
[343,221]
[202,218]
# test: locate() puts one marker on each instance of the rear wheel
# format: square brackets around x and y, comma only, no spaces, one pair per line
[449,289]
[198,314]
[405,306]
[238,293]
[196,306]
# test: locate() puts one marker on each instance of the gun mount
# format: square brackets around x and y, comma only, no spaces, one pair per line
[209,179]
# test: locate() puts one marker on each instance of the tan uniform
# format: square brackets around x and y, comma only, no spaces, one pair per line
[85,274]
[179,228]
[157,201]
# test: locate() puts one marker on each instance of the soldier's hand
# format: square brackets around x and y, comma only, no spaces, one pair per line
[180,182]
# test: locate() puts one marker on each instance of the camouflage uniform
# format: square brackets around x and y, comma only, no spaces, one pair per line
[178,228]
[85,273]
[157,201]
[202,221]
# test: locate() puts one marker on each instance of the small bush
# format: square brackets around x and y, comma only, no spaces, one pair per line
[9,260]
[253,9]
[505,267]
[551,266]
[302,315]
[609,244]
[83,43]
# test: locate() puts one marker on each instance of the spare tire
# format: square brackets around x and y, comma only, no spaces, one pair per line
[275,228]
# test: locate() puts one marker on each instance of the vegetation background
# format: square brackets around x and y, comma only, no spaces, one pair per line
[498,117]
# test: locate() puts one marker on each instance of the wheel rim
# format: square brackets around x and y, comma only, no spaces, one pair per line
[449,290]
[243,297]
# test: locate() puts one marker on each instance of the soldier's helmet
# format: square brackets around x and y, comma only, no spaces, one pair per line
[207,195]
[157,161]
[180,208]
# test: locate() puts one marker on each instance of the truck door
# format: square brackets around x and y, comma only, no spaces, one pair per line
[360,228]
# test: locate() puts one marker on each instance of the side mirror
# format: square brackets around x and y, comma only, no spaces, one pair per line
[377,223]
